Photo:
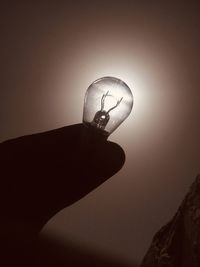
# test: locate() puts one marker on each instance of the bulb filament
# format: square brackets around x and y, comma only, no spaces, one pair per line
[102,117]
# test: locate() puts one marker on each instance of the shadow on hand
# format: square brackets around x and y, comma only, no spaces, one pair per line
[44,173]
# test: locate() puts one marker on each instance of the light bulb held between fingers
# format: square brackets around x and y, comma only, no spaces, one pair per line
[108,102]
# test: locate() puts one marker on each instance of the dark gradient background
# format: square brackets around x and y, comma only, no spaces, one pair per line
[52,51]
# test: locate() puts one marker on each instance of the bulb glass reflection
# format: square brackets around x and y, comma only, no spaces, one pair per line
[108,102]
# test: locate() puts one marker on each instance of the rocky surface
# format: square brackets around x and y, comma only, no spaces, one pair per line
[178,242]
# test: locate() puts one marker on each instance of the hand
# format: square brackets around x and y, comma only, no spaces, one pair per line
[44,173]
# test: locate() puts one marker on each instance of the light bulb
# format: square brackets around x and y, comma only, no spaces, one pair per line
[108,102]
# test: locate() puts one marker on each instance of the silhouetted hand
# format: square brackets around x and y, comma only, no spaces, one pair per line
[44,173]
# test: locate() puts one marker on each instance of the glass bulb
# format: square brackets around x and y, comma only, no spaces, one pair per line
[108,102]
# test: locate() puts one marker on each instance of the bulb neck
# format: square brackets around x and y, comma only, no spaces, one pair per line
[92,138]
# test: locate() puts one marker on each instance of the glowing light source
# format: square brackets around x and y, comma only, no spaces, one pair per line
[108,102]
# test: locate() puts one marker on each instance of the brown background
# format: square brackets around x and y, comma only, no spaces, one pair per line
[52,51]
